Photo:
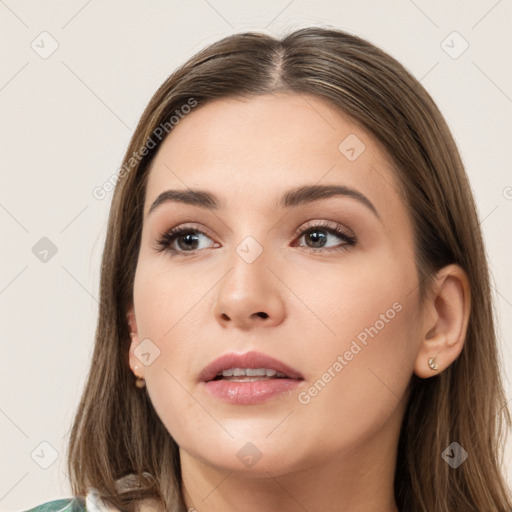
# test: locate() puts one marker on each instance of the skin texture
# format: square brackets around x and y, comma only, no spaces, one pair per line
[337,452]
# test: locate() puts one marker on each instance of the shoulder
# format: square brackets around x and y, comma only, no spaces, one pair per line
[91,503]
[63,505]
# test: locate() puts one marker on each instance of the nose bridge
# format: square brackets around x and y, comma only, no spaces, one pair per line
[249,276]
[249,292]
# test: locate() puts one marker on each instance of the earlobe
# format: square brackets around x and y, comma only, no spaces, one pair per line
[132,324]
[134,342]
[445,322]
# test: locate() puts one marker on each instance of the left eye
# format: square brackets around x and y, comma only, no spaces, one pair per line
[318,236]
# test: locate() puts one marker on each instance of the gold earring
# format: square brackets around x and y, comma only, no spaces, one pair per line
[432,364]
[139,381]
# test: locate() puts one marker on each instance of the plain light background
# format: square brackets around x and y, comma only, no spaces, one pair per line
[65,122]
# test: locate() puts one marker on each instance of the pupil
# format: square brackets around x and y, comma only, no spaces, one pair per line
[314,236]
[189,238]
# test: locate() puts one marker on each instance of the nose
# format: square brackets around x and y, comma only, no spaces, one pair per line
[249,296]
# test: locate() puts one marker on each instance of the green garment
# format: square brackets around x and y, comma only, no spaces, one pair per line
[65,505]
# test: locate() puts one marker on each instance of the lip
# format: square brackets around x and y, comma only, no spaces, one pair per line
[250,393]
[247,360]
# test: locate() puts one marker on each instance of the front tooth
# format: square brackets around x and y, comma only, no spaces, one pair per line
[251,372]
[255,372]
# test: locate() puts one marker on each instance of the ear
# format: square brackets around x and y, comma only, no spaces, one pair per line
[445,321]
[136,366]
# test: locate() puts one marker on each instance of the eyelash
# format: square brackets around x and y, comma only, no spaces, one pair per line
[167,238]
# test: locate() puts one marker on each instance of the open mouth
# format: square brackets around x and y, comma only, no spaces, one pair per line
[249,375]
[248,367]
[240,386]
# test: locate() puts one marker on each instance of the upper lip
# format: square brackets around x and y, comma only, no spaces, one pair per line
[246,360]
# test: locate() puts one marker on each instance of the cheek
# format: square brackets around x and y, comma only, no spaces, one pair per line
[168,302]
[170,309]
[361,357]
[370,304]
[360,386]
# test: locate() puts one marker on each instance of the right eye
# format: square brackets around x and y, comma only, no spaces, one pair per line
[181,240]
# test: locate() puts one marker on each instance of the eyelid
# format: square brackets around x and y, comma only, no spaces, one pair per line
[325,224]
[190,226]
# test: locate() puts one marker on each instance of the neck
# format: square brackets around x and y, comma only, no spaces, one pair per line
[357,480]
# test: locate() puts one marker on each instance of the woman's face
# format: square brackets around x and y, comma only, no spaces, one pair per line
[267,272]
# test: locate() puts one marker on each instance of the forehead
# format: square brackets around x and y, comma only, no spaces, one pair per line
[251,151]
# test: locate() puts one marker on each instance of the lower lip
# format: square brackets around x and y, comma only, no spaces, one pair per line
[249,393]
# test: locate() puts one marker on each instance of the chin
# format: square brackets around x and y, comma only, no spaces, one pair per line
[253,455]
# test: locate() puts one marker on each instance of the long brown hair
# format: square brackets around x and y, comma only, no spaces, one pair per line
[117,432]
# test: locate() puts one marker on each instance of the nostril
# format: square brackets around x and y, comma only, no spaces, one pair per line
[262,314]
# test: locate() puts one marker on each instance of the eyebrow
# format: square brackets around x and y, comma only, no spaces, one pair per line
[292,198]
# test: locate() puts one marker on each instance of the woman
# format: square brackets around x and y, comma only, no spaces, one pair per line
[328,341]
